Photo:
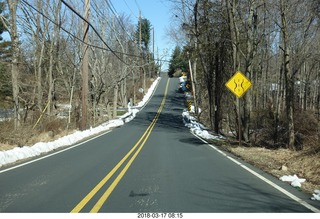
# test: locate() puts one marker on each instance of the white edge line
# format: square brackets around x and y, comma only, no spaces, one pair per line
[290,195]
[55,153]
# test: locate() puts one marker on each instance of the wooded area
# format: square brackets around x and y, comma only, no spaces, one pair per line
[276,44]
[82,61]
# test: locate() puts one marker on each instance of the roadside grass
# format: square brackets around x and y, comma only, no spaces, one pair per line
[279,162]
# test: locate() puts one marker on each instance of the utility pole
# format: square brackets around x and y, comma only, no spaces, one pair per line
[140,44]
[159,62]
[154,64]
[85,69]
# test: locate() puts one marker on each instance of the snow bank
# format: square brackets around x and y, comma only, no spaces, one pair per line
[183,78]
[147,96]
[316,195]
[197,128]
[19,153]
[294,180]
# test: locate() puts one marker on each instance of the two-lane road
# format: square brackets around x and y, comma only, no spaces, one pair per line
[151,164]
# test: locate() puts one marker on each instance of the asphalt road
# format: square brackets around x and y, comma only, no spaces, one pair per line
[151,164]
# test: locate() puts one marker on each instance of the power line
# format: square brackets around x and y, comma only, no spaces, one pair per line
[137,5]
[114,52]
[90,25]
[114,11]
[98,11]
[79,39]
[49,19]
[130,9]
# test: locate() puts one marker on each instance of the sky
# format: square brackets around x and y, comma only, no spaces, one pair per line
[158,13]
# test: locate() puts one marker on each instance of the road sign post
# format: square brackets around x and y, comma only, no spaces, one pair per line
[238,84]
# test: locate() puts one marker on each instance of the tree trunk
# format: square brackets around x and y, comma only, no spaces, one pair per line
[39,57]
[53,53]
[247,101]
[234,35]
[14,64]
[115,101]
[289,82]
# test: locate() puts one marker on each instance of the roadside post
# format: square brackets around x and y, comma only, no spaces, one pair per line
[189,105]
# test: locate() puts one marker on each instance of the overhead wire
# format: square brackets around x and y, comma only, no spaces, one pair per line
[81,40]
[137,5]
[130,9]
[49,19]
[90,25]
[114,11]
[116,16]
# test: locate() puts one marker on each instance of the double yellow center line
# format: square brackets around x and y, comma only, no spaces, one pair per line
[137,148]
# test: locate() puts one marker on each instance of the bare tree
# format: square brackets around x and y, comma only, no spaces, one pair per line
[53,55]
[15,56]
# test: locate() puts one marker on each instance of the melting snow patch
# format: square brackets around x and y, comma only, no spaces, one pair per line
[294,180]
[197,128]
[19,153]
[316,195]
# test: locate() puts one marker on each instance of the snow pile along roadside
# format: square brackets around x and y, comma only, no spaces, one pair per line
[197,128]
[294,180]
[316,195]
[20,153]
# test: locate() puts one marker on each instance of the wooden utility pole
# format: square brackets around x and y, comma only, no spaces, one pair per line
[193,85]
[154,64]
[85,69]
[140,43]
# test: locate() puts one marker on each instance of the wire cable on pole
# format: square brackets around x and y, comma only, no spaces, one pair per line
[90,25]
[81,40]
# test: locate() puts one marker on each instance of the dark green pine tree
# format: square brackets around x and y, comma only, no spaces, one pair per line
[177,61]
[145,34]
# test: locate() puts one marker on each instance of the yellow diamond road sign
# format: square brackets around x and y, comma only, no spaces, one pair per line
[238,84]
